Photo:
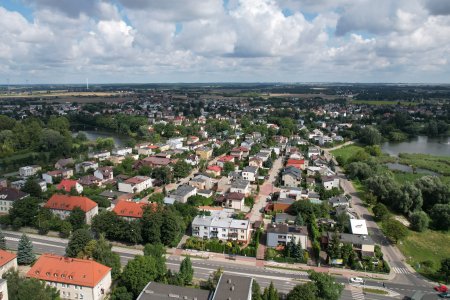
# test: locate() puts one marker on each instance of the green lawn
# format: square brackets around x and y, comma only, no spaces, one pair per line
[382,102]
[430,245]
[438,164]
[403,177]
[347,151]
[375,291]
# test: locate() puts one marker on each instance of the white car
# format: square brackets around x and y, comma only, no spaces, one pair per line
[358,280]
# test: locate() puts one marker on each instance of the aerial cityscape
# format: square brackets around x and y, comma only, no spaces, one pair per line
[224,149]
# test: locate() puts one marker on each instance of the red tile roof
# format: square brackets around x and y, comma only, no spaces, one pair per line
[68,270]
[6,257]
[215,168]
[130,209]
[226,158]
[67,184]
[66,202]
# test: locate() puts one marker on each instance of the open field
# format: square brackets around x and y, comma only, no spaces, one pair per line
[382,102]
[438,164]
[430,245]
[347,151]
[45,94]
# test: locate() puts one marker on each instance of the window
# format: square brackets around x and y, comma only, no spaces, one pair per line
[81,296]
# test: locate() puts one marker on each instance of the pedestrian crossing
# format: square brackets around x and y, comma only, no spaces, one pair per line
[357,294]
[400,270]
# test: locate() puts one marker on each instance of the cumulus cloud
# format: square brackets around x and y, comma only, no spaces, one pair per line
[250,40]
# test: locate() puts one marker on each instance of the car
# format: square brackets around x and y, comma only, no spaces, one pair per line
[357,280]
[441,288]
[444,295]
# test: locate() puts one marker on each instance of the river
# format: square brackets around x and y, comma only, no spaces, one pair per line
[421,144]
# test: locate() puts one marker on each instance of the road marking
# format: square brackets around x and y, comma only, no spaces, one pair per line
[400,270]
[357,294]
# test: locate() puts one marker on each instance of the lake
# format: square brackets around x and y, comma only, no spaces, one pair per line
[421,144]
[409,169]
[92,135]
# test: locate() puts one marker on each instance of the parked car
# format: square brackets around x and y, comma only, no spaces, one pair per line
[357,280]
[445,295]
[441,288]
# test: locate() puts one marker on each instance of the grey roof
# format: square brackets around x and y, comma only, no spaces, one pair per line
[232,287]
[156,291]
[240,184]
[204,192]
[111,194]
[10,194]
[293,171]
[183,190]
[285,229]
[283,217]
[250,169]
[168,200]
[338,200]
[353,238]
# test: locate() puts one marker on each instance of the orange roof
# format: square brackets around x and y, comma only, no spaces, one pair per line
[67,184]
[6,257]
[75,271]
[296,161]
[129,209]
[66,202]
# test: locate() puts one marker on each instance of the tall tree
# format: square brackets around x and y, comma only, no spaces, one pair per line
[77,218]
[394,230]
[138,272]
[80,238]
[2,241]
[440,214]
[256,291]
[186,270]
[151,225]
[305,291]
[419,221]
[25,255]
[270,293]
[445,268]
[20,288]
[327,287]
[104,255]
[171,229]
[32,187]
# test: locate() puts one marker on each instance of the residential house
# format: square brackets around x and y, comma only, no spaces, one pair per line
[74,278]
[330,182]
[192,139]
[214,170]
[8,261]
[339,201]
[313,151]
[291,192]
[362,244]
[223,185]
[201,182]
[248,143]
[235,200]
[130,210]
[204,152]
[183,192]
[240,186]
[224,229]
[250,173]
[297,163]
[122,151]
[18,184]
[116,159]
[205,193]
[64,163]
[153,162]
[29,170]
[175,143]
[225,159]
[68,184]
[255,161]
[101,156]
[284,218]
[62,206]
[291,176]
[90,181]
[282,204]
[192,159]
[358,226]
[104,173]
[4,289]
[240,152]
[147,150]
[135,184]
[85,166]
[282,234]
[51,176]
[7,198]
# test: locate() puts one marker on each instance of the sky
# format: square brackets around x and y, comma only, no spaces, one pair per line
[149,41]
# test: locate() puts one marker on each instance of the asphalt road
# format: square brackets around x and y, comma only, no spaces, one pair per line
[284,280]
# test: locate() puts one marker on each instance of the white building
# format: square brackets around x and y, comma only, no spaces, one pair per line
[62,206]
[281,234]
[29,170]
[250,173]
[330,182]
[135,185]
[221,228]
[122,151]
[74,278]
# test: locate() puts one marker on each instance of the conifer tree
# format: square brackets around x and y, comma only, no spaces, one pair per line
[25,255]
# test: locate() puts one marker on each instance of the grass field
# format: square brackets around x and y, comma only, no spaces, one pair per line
[347,151]
[403,177]
[438,164]
[430,245]
[382,102]
[39,94]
